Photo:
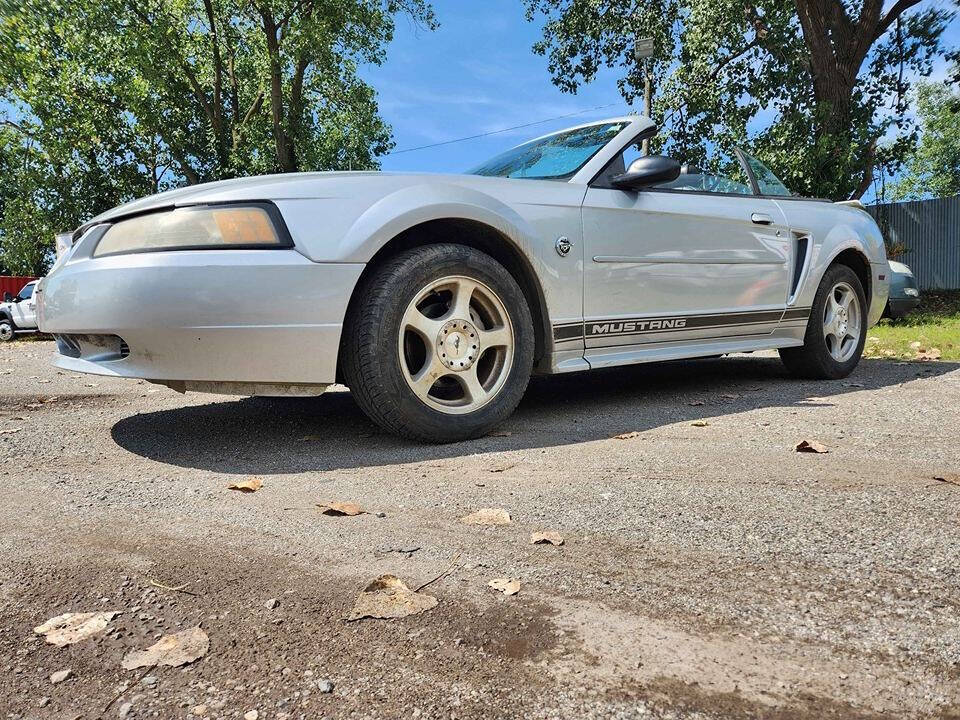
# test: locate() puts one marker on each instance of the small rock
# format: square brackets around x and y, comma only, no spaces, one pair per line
[125,709]
[251,715]
[199,710]
[60,676]
[271,604]
[381,514]
[149,680]
[325,686]
[44,701]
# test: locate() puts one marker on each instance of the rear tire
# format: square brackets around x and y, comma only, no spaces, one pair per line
[7,331]
[438,344]
[836,330]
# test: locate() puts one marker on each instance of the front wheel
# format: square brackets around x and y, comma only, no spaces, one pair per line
[438,344]
[836,331]
[7,331]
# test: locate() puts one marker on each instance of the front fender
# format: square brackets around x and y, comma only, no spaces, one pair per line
[351,232]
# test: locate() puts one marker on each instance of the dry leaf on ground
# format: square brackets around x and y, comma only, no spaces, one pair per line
[341,508]
[389,597]
[508,586]
[71,628]
[248,486]
[546,537]
[811,446]
[700,423]
[487,516]
[695,402]
[627,435]
[173,650]
[915,345]
[931,354]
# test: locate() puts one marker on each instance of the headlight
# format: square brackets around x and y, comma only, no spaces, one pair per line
[911,292]
[197,228]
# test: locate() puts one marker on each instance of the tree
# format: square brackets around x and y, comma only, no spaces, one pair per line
[933,168]
[811,86]
[115,99]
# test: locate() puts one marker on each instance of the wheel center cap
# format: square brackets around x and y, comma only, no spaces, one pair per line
[458,344]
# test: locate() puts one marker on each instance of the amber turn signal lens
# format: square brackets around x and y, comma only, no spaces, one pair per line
[245,226]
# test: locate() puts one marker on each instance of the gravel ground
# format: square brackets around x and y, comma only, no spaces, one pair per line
[708,571]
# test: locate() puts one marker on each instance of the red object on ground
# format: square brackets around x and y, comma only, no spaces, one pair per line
[12,284]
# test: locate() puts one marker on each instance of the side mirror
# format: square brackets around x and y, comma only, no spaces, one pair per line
[7,297]
[646,171]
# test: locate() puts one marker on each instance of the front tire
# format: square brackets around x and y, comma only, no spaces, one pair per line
[438,344]
[7,330]
[836,330]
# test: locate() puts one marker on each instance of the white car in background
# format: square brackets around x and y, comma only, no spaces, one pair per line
[19,314]
[434,297]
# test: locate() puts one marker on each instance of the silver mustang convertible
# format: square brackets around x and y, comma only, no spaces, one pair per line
[434,297]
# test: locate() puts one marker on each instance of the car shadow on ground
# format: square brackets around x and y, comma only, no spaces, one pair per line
[289,435]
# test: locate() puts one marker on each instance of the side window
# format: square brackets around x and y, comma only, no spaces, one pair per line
[767,182]
[694,179]
[26,292]
[691,178]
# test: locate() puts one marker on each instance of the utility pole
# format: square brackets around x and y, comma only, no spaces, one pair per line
[642,52]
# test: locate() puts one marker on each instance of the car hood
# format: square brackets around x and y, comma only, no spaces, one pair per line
[301,186]
[899,267]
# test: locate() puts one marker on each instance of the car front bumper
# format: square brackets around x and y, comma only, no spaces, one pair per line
[201,319]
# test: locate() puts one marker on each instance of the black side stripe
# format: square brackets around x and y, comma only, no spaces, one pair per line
[797,314]
[565,332]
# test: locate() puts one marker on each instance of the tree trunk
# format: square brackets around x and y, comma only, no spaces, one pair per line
[286,160]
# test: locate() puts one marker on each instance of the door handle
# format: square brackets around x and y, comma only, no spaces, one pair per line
[761,219]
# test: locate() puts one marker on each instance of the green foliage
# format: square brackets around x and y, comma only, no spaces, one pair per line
[810,87]
[114,99]
[935,325]
[933,169]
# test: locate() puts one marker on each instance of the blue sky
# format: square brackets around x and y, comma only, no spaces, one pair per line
[477,73]
[474,74]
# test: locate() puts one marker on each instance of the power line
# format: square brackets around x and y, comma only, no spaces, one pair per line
[503,130]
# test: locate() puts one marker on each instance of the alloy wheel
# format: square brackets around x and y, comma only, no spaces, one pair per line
[456,344]
[842,322]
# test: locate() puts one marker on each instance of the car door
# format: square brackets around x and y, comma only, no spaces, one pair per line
[25,311]
[700,259]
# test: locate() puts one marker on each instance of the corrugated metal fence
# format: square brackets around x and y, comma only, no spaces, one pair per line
[930,231]
[12,284]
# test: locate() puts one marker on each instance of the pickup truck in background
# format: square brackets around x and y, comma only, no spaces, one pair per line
[18,314]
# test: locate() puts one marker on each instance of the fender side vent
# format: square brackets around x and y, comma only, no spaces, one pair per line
[802,249]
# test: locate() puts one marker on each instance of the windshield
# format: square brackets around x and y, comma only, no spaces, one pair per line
[554,157]
[26,292]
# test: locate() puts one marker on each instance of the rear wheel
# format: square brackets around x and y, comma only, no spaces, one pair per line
[836,330]
[439,344]
[7,331]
